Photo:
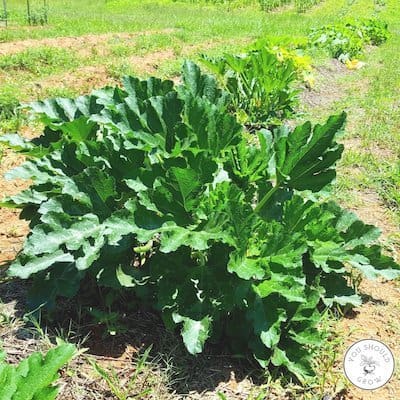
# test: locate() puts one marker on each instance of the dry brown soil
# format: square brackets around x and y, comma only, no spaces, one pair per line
[84,45]
[379,316]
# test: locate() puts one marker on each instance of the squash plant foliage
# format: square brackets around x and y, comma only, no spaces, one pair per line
[260,82]
[243,245]
[34,377]
[345,41]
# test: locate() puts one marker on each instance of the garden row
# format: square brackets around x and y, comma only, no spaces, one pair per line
[265,5]
[300,5]
[262,81]
[39,15]
[153,192]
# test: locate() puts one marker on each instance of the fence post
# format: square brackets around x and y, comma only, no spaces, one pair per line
[28,9]
[45,11]
[5,16]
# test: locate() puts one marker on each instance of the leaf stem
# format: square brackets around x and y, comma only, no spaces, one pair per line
[265,199]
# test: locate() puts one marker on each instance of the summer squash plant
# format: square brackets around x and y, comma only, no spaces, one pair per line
[261,83]
[372,31]
[238,241]
[345,41]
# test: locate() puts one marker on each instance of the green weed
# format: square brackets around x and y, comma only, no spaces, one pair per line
[121,50]
[60,92]
[9,101]
[122,390]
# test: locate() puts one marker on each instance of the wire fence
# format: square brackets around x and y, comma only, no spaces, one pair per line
[27,12]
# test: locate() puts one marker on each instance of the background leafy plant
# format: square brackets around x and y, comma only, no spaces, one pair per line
[346,40]
[39,16]
[300,5]
[373,31]
[294,50]
[236,240]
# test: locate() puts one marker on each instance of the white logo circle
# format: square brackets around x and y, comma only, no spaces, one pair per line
[368,364]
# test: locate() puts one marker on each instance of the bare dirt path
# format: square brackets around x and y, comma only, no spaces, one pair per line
[13,230]
[86,78]
[379,316]
[82,44]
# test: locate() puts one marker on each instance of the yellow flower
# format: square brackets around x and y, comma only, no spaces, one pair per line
[354,64]
[309,80]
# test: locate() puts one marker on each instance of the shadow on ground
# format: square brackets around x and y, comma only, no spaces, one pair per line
[188,376]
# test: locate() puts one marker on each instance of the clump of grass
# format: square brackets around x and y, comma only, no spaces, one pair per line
[170,69]
[8,101]
[10,115]
[117,71]
[60,92]
[142,45]
[124,389]
[390,187]
[120,50]
[38,60]
[148,43]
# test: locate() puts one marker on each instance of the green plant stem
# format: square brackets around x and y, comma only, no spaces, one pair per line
[265,199]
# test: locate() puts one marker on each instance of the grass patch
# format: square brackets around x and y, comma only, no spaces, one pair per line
[61,92]
[9,101]
[389,187]
[38,61]
[117,71]
[375,91]
[144,44]
[198,21]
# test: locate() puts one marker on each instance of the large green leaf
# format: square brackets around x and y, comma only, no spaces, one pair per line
[301,370]
[34,376]
[25,266]
[194,333]
[266,323]
[306,156]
